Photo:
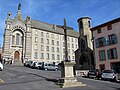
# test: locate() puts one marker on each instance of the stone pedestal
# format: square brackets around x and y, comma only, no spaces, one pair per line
[67,76]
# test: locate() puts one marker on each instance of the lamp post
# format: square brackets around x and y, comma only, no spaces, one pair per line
[65,37]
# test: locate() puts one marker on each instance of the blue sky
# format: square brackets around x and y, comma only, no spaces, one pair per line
[54,11]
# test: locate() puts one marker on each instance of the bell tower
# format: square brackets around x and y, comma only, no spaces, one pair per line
[84,30]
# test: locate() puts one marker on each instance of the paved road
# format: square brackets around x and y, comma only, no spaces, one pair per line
[23,78]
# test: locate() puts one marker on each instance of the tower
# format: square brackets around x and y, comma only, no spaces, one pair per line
[7,37]
[84,30]
[84,54]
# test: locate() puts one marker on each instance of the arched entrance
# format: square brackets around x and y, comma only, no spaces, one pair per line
[84,62]
[16,56]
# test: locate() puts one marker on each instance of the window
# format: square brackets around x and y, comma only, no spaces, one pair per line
[36,55]
[68,45]
[21,40]
[57,43]
[42,55]
[57,50]
[89,23]
[58,57]
[112,39]
[81,24]
[72,45]
[63,57]
[47,35]
[36,46]
[99,31]
[52,42]
[53,57]
[72,40]
[57,36]
[36,32]
[17,38]
[76,46]
[13,38]
[69,58]
[47,56]
[42,34]
[102,55]
[100,42]
[52,49]
[63,44]
[48,48]
[36,39]
[69,51]
[68,39]
[42,41]
[73,52]
[47,41]
[112,53]
[109,27]
[76,40]
[52,36]
[42,48]
[73,58]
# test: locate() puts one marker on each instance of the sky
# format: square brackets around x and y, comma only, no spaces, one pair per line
[54,11]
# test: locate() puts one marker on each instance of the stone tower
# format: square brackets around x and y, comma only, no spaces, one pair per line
[84,54]
[84,30]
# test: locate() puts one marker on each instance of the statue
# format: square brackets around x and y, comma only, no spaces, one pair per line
[64,22]
[19,5]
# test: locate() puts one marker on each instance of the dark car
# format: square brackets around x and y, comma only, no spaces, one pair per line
[94,73]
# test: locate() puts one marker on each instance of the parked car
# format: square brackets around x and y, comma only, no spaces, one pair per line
[49,66]
[108,75]
[1,66]
[28,63]
[39,65]
[94,73]
[33,64]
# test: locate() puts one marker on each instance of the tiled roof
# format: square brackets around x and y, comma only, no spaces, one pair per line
[53,28]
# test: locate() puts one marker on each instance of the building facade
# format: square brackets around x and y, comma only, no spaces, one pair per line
[107,45]
[35,40]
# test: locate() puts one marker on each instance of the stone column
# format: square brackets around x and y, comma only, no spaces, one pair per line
[67,76]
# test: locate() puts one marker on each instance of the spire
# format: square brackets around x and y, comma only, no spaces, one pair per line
[19,14]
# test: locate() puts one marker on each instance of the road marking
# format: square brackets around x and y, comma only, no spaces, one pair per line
[1,81]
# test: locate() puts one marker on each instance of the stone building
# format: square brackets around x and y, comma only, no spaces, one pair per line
[107,45]
[35,40]
[84,54]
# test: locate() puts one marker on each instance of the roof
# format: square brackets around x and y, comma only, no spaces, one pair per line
[105,24]
[53,28]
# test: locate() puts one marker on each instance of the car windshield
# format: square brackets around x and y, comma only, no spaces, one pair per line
[107,71]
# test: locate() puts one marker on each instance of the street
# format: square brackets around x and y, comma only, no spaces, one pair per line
[24,78]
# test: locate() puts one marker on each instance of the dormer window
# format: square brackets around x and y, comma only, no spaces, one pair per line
[109,27]
[99,31]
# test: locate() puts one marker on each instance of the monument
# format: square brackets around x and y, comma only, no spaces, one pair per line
[67,76]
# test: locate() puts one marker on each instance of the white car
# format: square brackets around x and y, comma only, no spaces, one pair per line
[1,66]
[50,66]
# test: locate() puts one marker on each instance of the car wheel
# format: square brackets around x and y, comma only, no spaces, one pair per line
[46,69]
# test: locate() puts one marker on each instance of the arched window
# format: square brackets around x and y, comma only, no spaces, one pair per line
[17,38]
[13,39]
